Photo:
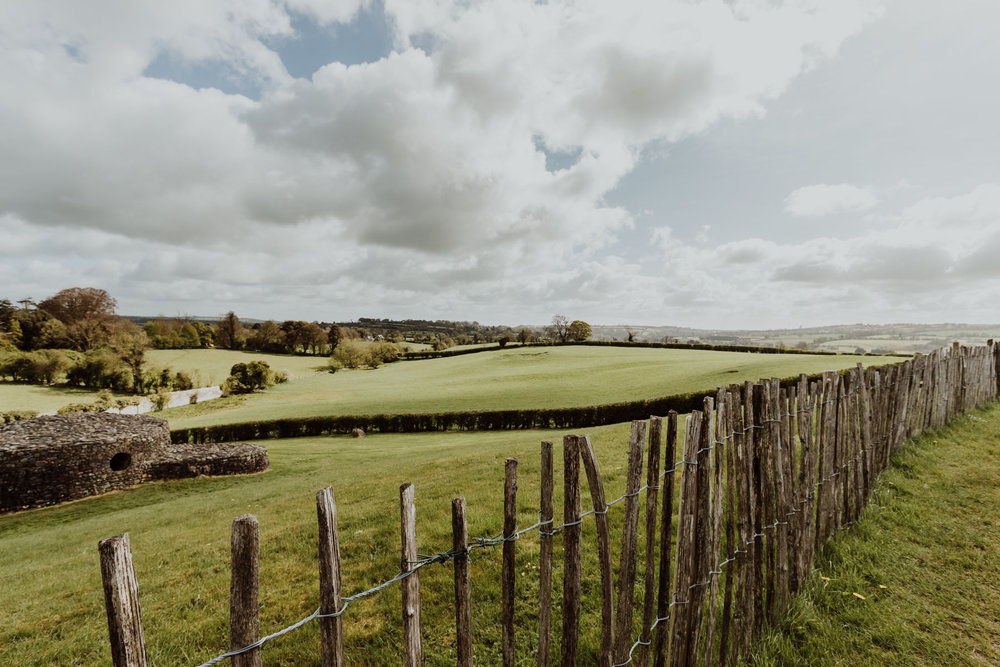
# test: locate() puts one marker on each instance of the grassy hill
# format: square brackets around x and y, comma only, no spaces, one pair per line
[508,379]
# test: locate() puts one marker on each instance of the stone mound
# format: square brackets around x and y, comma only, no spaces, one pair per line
[49,460]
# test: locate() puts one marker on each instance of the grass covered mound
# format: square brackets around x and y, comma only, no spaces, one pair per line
[917,580]
[528,378]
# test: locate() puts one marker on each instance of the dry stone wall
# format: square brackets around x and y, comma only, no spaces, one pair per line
[49,460]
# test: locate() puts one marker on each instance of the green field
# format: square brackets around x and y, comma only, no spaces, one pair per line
[53,610]
[206,368]
[929,538]
[542,377]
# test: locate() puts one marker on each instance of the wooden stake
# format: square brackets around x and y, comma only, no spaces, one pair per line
[545,559]
[331,629]
[463,585]
[244,604]
[596,483]
[630,537]
[666,525]
[413,652]
[121,601]
[652,488]
[509,573]
[572,550]
[680,618]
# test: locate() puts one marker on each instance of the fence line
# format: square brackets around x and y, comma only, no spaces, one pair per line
[767,475]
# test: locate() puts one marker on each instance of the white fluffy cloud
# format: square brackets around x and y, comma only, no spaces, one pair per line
[816,201]
[417,179]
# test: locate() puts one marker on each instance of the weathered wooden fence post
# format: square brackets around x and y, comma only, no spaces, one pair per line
[121,600]
[680,621]
[630,538]
[652,496]
[463,588]
[545,558]
[413,652]
[572,550]
[596,483]
[509,568]
[666,525]
[244,596]
[331,629]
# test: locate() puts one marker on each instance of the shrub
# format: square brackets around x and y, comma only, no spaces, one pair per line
[249,377]
[181,381]
[160,400]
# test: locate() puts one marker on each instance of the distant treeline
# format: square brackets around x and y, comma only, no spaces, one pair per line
[479,420]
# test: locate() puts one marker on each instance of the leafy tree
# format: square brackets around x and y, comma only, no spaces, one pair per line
[130,344]
[206,335]
[267,337]
[523,336]
[7,311]
[87,312]
[229,332]
[579,331]
[334,336]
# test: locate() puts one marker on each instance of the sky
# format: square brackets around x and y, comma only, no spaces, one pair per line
[714,164]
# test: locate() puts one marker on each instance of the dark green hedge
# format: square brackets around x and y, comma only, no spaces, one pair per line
[486,420]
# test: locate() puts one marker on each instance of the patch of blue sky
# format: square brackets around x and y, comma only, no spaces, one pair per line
[367,38]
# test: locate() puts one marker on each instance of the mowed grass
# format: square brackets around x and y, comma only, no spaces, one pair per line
[211,367]
[924,556]
[541,377]
[206,368]
[51,600]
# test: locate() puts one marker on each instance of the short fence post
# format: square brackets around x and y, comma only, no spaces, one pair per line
[412,646]
[545,558]
[652,496]
[121,599]
[572,550]
[463,589]
[666,524]
[331,629]
[509,567]
[244,602]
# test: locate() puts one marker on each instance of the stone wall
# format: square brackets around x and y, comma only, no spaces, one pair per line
[49,460]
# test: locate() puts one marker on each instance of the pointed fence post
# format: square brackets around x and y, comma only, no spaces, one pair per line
[463,588]
[596,483]
[413,652]
[630,539]
[121,600]
[331,629]
[545,558]
[572,550]
[509,567]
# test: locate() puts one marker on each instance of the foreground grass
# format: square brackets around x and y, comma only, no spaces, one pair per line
[545,377]
[51,601]
[924,558]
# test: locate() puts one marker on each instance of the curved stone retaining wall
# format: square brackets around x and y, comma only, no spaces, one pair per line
[49,460]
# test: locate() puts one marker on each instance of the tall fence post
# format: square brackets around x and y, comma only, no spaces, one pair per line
[545,558]
[331,629]
[244,596]
[596,483]
[463,588]
[413,652]
[572,550]
[652,496]
[630,539]
[121,600]
[509,571]
[666,525]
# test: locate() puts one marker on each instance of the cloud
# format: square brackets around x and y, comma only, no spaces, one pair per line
[817,201]
[419,178]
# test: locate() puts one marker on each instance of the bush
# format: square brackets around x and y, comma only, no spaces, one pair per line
[100,370]
[247,378]
[17,415]
[40,367]
[181,381]
[160,400]
[352,353]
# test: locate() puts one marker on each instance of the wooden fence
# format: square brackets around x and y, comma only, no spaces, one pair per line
[767,475]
